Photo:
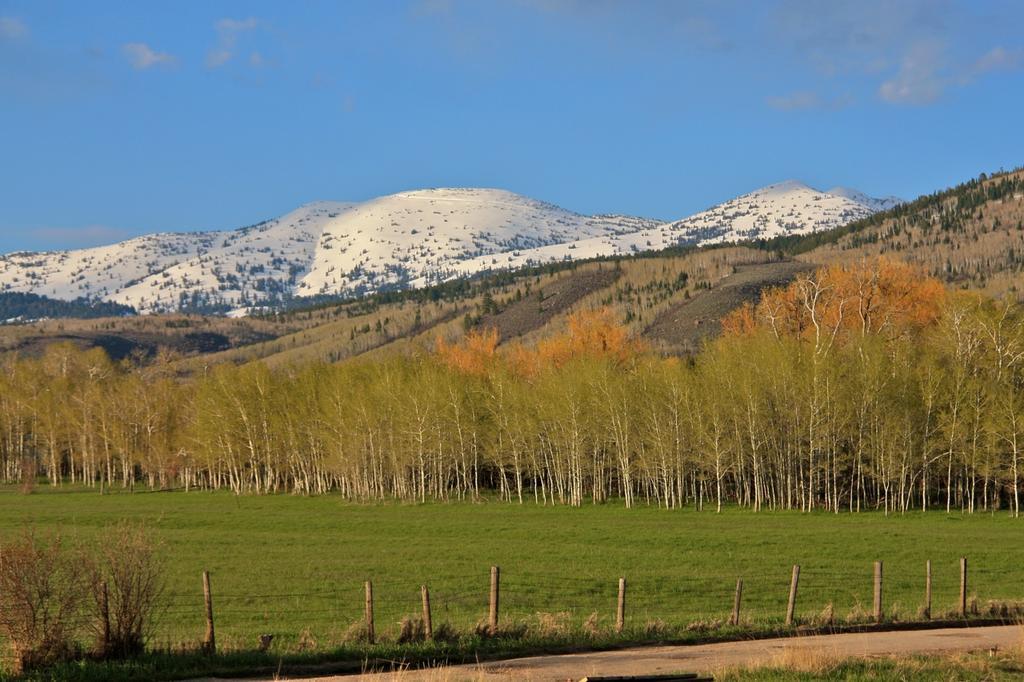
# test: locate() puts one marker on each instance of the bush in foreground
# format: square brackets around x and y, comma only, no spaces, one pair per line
[42,599]
[53,594]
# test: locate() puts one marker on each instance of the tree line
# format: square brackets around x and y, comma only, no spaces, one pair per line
[857,387]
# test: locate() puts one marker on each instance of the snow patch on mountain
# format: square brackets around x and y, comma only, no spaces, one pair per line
[880,204]
[409,239]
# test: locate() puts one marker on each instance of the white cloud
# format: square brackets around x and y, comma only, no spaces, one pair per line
[919,79]
[852,37]
[997,59]
[141,56]
[12,28]
[925,74]
[228,32]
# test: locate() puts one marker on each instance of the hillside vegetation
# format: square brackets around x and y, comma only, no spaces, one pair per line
[530,303]
[15,307]
[854,387]
[139,339]
[673,299]
[971,236]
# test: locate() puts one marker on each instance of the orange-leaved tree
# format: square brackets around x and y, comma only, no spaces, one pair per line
[880,296]
[591,334]
[474,354]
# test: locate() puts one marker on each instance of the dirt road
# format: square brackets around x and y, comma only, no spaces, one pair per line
[708,658]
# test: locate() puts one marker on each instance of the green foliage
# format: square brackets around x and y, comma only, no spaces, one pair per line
[891,419]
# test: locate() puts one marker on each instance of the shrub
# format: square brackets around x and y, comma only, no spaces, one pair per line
[43,585]
[411,629]
[355,633]
[127,583]
[514,630]
[445,633]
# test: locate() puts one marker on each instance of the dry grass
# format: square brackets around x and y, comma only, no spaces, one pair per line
[858,614]
[796,662]
[553,625]
[705,625]
[507,630]
[592,625]
[826,618]
[412,629]
[807,659]
[307,642]
[440,674]
[655,629]
[355,633]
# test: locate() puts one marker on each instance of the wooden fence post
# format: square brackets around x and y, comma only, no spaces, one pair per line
[878,592]
[792,595]
[928,590]
[370,634]
[963,587]
[210,643]
[492,618]
[428,623]
[105,614]
[620,611]
[735,620]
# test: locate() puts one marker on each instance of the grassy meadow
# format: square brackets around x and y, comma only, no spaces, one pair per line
[294,566]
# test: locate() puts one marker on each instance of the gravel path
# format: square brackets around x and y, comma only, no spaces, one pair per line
[708,658]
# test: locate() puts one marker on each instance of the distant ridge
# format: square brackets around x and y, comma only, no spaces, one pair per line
[404,240]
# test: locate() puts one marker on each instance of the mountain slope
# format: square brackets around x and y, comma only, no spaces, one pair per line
[417,238]
[883,204]
[971,235]
[409,239]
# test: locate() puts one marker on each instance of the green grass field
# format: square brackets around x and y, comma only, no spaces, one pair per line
[293,565]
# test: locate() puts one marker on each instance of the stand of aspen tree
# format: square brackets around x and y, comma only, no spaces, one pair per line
[863,387]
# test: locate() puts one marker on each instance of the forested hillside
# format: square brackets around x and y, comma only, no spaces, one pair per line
[17,307]
[528,305]
[971,236]
[870,386]
[673,299]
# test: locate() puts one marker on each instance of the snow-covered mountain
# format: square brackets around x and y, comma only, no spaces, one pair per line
[882,204]
[409,239]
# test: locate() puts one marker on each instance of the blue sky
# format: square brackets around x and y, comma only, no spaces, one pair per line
[130,117]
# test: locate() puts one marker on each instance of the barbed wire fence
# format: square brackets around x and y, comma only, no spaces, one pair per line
[560,603]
